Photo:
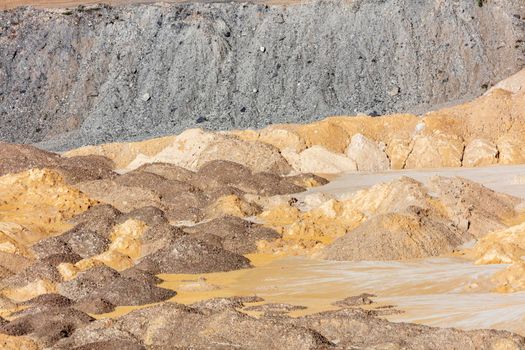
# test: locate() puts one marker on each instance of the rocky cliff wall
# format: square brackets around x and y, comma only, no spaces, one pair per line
[100,74]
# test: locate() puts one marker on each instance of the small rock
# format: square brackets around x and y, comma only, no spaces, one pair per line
[262,49]
[201,120]
[394,91]
[357,300]
[146,97]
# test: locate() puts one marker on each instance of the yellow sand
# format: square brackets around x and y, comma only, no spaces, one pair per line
[40,201]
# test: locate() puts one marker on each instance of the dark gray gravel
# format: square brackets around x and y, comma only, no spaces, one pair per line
[97,75]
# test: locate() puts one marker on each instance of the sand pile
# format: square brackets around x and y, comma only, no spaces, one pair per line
[307,232]
[17,158]
[17,343]
[217,189]
[511,279]
[500,247]
[40,201]
[506,246]
[401,219]
[408,234]
[191,150]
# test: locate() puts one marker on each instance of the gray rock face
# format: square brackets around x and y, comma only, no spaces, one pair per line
[131,72]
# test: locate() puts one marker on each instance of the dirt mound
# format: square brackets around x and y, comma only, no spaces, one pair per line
[199,326]
[356,328]
[107,284]
[473,205]
[84,243]
[506,246]
[18,158]
[188,255]
[308,232]
[122,197]
[257,156]
[167,189]
[159,236]
[98,218]
[193,148]
[511,279]
[170,172]
[151,216]
[400,219]
[500,247]
[47,327]
[94,305]
[228,173]
[16,343]
[397,236]
[218,188]
[233,234]
[196,329]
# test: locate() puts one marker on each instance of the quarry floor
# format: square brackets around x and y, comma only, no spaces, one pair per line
[441,292]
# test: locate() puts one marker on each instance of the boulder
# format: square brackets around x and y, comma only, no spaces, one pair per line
[437,150]
[511,150]
[398,150]
[282,137]
[319,160]
[480,152]
[368,155]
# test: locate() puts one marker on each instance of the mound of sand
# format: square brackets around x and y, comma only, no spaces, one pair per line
[41,201]
[400,219]
[397,236]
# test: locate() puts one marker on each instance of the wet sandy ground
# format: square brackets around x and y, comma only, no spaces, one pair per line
[444,292]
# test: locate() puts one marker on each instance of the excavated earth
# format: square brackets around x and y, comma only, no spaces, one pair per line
[262,238]
[184,241]
[71,77]
[86,252]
